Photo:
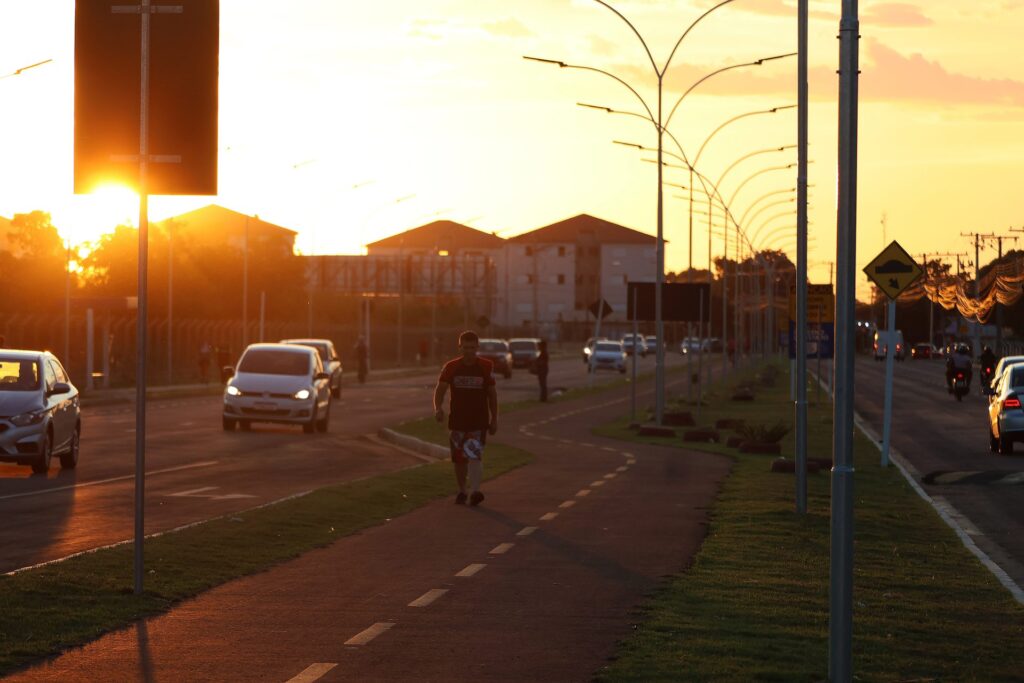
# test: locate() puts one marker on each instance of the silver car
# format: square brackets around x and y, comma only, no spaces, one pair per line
[608,355]
[280,383]
[1005,412]
[40,414]
[329,357]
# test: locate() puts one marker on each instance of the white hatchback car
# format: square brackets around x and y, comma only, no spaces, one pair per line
[608,355]
[280,383]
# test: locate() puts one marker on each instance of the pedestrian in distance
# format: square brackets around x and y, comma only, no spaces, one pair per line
[205,355]
[472,413]
[541,365]
[362,353]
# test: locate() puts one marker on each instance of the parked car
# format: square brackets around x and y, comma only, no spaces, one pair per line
[652,343]
[281,383]
[881,344]
[1002,364]
[40,414]
[637,344]
[1005,412]
[695,345]
[608,355]
[496,351]
[921,351]
[588,348]
[328,356]
[524,351]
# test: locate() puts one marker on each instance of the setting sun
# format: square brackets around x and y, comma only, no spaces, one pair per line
[84,218]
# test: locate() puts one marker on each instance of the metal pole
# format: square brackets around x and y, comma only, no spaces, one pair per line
[977,294]
[170,305]
[401,304]
[890,355]
[711,282]
[263,314]
[725,299]
[67,306]
[841,555]
[245,286]
[636,332]
[659,323]
[999,310]
[801,263]
[140,334]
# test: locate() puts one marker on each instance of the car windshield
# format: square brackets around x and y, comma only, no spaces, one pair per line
[523,346]
[18,374]
[1017,378]
[320,348]
[274,362]
[608,346]
[492,346]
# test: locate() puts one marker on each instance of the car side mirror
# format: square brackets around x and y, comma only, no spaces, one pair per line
[60,388]
[322,375]
[227,371]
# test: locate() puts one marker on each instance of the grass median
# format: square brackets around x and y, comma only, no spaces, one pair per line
[49,609]
[754,604]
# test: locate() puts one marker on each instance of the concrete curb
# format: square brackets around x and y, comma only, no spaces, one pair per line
[949,514]
[411,443]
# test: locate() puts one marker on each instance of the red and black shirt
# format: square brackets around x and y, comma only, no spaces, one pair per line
[469,383]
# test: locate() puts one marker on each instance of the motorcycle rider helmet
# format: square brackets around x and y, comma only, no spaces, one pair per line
[962,349]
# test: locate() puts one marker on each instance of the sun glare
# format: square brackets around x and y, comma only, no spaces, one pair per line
[85,218]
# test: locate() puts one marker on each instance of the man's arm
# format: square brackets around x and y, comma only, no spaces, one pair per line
[439,393]
[492,407]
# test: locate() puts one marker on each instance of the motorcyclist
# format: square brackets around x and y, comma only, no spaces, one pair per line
[959,360]
[988,363]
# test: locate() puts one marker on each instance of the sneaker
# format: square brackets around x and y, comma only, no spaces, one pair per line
[476,498]
[460,499]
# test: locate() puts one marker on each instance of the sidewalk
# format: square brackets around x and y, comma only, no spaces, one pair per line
[537,584]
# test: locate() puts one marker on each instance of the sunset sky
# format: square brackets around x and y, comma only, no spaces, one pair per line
[432,98]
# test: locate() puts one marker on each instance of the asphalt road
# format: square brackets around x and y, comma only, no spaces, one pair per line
[947,443]
[196,471]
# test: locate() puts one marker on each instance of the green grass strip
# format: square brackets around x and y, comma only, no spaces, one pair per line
[754,604]
[46,610]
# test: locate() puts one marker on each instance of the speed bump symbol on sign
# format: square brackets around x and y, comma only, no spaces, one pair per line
[894,270]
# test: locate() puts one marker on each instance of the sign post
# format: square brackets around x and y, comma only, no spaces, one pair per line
[600,309]
[892,271]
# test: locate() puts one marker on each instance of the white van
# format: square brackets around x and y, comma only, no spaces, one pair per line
[882,340]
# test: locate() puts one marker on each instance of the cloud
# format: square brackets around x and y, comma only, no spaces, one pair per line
[602,46]
[508,28]
[895,15]
[780,8]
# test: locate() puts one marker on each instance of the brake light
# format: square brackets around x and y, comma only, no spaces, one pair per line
[959,375]
[988,369]
[1011,402]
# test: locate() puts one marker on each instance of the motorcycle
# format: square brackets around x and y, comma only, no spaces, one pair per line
[986,380]
[959,385]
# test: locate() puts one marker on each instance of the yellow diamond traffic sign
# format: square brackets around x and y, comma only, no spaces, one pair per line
[893,270]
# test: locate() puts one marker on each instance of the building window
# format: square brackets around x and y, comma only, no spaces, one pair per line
[561,279]
[529,251]
[625,279]
[529,279]
[561,251]
[595,251]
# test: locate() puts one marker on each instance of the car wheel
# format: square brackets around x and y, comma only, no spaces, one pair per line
[69,460]
[229,424]
[244,425]
[1005,446]
[41,465]
[323,423]
[310,427]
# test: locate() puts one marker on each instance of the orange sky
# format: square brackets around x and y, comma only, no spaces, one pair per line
[432,99]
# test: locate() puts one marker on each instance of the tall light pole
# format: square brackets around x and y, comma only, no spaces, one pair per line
[801,262]
[840,623]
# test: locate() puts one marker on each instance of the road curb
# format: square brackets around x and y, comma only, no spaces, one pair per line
[949,514]
[411,443]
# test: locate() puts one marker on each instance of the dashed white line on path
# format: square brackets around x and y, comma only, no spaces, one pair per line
[502,548]
[471,570]
[597,483]
[526,531]
[567,504]
[428,597]
[548,516]
[621,469]
[365,636]
[107,481]
[610,450]
[313,672]
[612,475]
[582,492]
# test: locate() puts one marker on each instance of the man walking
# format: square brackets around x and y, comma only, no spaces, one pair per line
[472,413]
[541,365]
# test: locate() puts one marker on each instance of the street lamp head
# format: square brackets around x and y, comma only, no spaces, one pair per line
[608,110]
[546,61]
[632,145]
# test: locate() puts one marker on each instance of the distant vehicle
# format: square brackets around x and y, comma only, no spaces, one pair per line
[921,351]
[281,383]
[714,345]
[652,342]
[1005,413]
[697,345]
[608,355]
[883,338]
[588,348]
[328,356]
[40,415]
[496,351]
[631,344]
[524,351]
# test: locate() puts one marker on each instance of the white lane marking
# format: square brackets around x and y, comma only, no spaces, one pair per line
[582,492]
[599,482]
[628,455]
[548,516]
[1015,478]
[631,462]
[565,441]
[428,597]
[107,481]
[502,548]
[588,445]
[130,431]
[567,504]
[313,672]
[526,531]
[201,493]
[471,570]
[189,424]
[621,469]
[365,636]
[610,450]
[612,475]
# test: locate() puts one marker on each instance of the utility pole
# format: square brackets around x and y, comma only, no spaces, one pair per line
[979,244]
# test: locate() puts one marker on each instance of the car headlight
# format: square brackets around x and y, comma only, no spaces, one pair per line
[26,419]
[301,394]
[233,390]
